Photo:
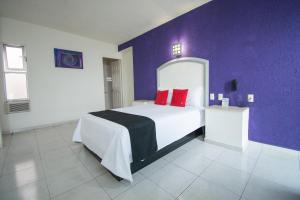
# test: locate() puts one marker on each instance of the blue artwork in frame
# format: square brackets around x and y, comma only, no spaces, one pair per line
[68,59]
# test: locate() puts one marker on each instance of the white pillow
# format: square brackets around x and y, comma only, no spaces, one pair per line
[195,97]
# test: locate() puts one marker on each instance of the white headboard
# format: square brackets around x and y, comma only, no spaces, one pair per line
[186,72]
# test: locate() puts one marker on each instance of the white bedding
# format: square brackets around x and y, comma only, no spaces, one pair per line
[111,141]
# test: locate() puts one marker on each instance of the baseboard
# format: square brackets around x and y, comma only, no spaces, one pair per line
[38,127]
[224,145]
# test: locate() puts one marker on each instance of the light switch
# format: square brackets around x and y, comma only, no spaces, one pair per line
[212,96]
[251,98]
[220,97]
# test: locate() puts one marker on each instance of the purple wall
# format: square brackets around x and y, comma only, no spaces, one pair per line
[256,42]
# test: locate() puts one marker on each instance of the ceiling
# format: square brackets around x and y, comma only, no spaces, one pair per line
[114,21]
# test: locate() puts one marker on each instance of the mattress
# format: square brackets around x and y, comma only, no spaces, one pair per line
[111,141]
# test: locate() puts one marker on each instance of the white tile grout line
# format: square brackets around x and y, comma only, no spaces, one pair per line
[146,178]
[40,179]
[101,186]
[53,197]
[215,161]
[84,182]
[251,174]
[172,162]
[197,177]
[132,186]
[42,165]
[72,188]
[94,178]
[4,158]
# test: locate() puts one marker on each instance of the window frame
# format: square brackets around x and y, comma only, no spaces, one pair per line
[6,67]
[6,70]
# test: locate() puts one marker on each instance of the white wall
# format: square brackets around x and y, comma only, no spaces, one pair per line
[56,94]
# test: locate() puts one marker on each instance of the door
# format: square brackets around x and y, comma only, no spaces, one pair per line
[107,84]
[127,77]
[116,84]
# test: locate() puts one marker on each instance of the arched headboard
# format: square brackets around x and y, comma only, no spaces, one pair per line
[186,72]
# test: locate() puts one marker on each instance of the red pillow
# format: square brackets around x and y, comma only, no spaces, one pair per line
[179,97]
[161,97]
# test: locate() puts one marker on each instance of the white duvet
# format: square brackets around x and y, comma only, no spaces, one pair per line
[111,141]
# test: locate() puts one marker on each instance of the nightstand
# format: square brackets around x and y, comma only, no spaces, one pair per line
[142,102]
[227,126]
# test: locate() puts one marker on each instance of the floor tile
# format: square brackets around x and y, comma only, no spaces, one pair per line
[174,154]
[52,167]
[210,151]
[91,162]
[114,187]
[261,189]
[153,167]
[57,153]
[51,145]
[195,163]
[6,139]
[3,152]
[76,147]
[227,177]
[253,150]
[281,159]
[33,161]
[23,150]
[278,152]
[67,180]
[1,165]
[94,166]
[20,178]
[173,179]
[237,160]
[51,130]
[89,191]
[15,164]
[202,189]
[25,136]
[33,191]
[145,190]
[279,170]
[196,142]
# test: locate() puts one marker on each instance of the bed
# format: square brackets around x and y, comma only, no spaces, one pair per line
[174,125]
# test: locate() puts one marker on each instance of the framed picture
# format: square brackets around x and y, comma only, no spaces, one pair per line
[68,59]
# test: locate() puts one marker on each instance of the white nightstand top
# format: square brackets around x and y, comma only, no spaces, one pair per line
[229,108]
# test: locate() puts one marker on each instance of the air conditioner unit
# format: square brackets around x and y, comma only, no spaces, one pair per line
[17,106]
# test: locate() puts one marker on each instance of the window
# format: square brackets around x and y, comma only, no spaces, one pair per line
[15,73]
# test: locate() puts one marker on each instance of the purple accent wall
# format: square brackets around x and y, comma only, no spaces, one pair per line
[256,42]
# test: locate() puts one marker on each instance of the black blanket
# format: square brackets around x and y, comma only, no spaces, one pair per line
[141,130]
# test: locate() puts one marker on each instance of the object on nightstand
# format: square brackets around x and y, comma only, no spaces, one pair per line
[225,102]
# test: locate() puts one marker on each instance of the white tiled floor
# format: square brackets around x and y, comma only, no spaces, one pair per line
[46,164]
